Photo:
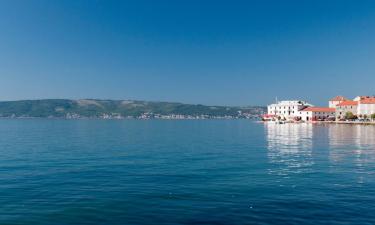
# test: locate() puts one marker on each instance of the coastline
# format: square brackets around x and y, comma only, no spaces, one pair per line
[332,122]
[119,119]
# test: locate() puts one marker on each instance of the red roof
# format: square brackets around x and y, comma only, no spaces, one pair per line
[349,102]
[319,109]
[339,98]
[368,101]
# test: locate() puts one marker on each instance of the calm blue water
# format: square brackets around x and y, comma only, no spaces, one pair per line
[185,172]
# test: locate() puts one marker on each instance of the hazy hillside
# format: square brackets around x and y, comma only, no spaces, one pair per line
[90,108]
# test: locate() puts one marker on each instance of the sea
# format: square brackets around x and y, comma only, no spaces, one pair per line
[72,172]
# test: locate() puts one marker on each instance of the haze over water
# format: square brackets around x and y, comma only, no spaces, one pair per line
[185,172]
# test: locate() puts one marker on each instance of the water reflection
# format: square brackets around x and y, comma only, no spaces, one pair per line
[290,147]
[352,142]
[303,148]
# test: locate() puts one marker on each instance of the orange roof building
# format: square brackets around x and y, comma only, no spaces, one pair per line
[336,100]
[345,107]
[368,101]
[366,106]
[317,113]
[348,103]
[319,109]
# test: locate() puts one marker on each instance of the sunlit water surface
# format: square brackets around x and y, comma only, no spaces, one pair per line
[185,172]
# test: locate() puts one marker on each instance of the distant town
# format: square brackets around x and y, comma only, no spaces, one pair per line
[146,116]
[340,109]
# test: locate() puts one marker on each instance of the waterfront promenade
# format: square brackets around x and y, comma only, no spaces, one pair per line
[349,122]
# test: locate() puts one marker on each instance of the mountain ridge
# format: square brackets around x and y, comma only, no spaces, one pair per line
[119,109]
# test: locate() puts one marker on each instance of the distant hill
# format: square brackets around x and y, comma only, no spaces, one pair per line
[107,109]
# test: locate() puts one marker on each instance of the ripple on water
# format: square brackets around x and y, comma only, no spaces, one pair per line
[185,172]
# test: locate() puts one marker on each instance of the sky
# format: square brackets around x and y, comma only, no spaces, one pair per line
[211,52]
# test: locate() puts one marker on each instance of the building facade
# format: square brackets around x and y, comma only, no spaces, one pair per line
[335,101]
[366,107]
[344,107]
[287,109]
[339,107]
[360,106]
[317,113]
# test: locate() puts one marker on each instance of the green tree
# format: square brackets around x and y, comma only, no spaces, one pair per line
[350,116]
[373,116]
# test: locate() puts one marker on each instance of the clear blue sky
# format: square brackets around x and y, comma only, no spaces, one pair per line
[193,51]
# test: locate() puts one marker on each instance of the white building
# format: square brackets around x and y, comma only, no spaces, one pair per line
[361,105]
[345,107]
[287,109]
[335,101]
[317,113]
[338,108]
[366,107]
